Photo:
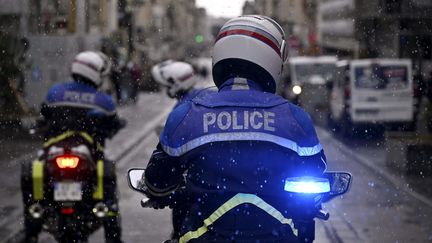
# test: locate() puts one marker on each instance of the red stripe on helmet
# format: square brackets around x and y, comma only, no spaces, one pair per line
[187,76]
[255,35]
[88,65]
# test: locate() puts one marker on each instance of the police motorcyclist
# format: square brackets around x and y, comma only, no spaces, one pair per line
[78,106]
[238,145]
[178,78]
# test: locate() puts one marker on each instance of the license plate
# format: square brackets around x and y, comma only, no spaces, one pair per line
[67,191]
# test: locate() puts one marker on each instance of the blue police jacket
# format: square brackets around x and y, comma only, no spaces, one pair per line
[235,115]
[78,106]
[79,95]
[238,146]
[191,94]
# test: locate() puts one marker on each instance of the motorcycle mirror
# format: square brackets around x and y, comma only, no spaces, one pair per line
[339,184]
[135,179]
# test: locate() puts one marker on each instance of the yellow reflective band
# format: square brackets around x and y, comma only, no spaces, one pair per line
[238,199]
[67,134]
[99,147]
[98,193]
[57,139]
[87,137]
[37,174]
[112,214]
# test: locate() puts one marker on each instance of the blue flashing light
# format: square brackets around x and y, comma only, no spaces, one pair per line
[307,184]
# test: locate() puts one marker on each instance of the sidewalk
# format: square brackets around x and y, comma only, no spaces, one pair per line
[16,142]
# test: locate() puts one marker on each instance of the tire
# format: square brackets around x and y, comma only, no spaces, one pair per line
[32,227]
[69,239]
[111,224]
[27,183]
[402,127]
[409,127]
[68,234]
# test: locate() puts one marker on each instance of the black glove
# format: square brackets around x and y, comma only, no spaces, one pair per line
[108,126]
[161,202]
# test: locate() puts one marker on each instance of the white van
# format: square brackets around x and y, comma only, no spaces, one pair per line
[305,79]
[372,92]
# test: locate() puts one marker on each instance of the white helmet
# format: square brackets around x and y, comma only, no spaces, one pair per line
[176,76]
[106,68]
[157,72]
[251,46]
[90,65]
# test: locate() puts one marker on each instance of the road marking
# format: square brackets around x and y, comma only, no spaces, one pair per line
[389,177]
[142,144]
[149,127]
[23,157]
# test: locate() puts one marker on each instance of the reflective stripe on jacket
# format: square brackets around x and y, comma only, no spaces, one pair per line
[80,95]
[240,198]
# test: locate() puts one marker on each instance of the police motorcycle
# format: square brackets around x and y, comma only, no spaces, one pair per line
[66,185]
[305,194]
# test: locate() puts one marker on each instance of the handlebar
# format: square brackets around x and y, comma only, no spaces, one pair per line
[146,203]
[321,214]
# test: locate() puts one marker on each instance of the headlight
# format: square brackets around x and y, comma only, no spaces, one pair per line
[307,184]
[296,89]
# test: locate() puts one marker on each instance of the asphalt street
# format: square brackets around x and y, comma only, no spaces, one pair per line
[380,206]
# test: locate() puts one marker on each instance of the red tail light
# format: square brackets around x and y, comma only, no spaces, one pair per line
[67,211]
[67,161]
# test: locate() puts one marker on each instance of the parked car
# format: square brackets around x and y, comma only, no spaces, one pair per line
[305,81]
[372,93]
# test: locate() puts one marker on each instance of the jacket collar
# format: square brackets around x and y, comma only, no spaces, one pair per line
[239,84]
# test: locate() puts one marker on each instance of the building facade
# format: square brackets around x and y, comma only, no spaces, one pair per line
[376,28]
[169,29]
[55,31]
[292,15]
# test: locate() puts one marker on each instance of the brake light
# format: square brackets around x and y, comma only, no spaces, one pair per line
[67,161]
[67,211]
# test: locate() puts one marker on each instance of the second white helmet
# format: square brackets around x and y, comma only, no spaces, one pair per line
[176,76]
[251,46]
[90,65]
[157,72]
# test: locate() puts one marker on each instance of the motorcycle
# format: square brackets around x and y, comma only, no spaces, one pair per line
[305,194]
[67,190]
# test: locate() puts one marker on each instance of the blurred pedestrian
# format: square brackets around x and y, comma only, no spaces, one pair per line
[135,74]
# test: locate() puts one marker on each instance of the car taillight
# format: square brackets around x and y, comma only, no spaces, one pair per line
[67,161]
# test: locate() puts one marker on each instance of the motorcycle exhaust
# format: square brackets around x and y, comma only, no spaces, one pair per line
[100,210]
[36,210]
